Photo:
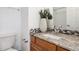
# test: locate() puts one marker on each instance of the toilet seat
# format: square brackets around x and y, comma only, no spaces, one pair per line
[11,49]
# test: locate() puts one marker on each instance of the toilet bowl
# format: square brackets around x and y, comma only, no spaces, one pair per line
[7,41]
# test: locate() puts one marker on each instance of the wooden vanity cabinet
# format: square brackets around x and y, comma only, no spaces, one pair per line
[38,44]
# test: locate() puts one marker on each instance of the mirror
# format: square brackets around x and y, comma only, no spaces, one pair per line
[68,17]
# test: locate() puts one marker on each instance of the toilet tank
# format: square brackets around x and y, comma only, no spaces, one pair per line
[7,41]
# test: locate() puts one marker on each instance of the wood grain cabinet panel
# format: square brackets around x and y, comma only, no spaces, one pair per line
[33,40]
[45,45]
[61,49]
[35,47]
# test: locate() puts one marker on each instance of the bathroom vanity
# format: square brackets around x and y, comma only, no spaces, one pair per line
[41,43]
[38,44]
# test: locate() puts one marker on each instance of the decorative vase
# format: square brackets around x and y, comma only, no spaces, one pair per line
[49,23]
[43,25]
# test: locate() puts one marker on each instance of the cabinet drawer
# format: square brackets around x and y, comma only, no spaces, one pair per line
[46,45]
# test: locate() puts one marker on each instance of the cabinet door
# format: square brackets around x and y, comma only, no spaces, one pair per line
[61,49]
[35,47]
[45,45]
[32,43]
[33,40]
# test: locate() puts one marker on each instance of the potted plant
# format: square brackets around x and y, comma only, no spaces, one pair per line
[43,13]
[43,21]
[49,16]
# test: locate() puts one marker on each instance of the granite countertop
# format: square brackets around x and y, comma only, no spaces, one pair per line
[70,42]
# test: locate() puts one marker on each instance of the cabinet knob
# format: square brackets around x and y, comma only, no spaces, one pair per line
[26,41]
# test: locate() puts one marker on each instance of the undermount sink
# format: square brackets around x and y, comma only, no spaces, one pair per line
[51,36]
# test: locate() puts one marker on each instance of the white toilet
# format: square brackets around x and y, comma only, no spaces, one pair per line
[7,41]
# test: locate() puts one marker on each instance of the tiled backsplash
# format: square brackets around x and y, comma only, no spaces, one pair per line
[35,30]
[69,32]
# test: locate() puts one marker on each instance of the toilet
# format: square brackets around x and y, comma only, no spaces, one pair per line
[7,41]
